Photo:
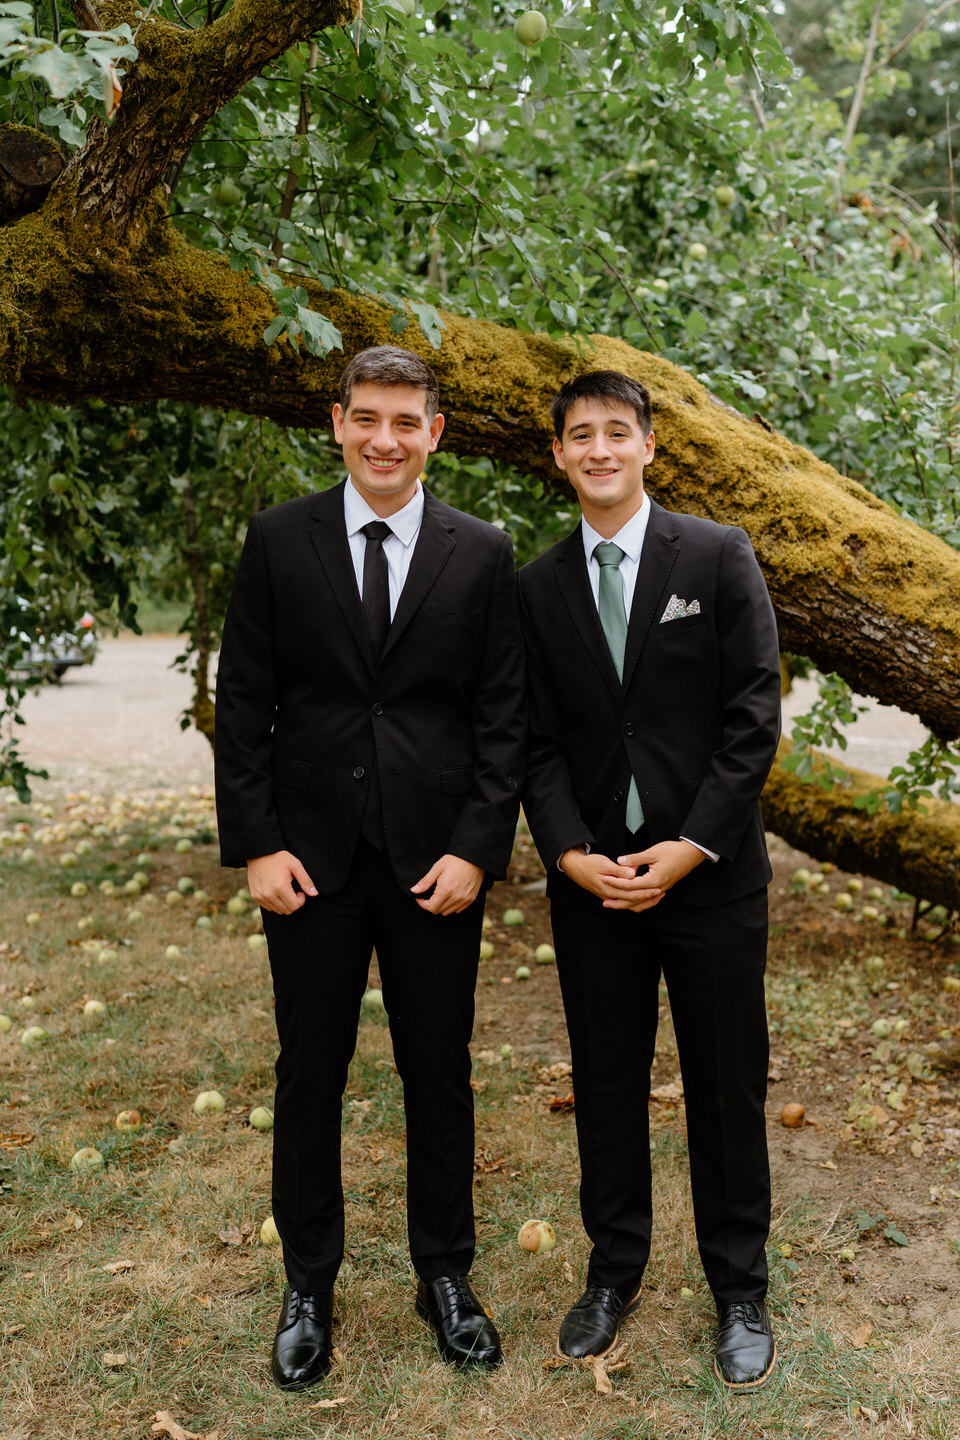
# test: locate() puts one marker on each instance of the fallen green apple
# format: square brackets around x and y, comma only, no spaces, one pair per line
[545,954]
[261,1118]
[128,1120]
[522,972]
[209,1102]
[269,1234]
[33,1036]
[513,917]
[86,1160]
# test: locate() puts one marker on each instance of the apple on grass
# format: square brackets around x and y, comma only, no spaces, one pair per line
[86,1160]
[128,1120]
[94,1007]
[513,917]
[537,1237]
[269,1234]
[33,1036]
[209,1102]
[261,1118]
[6,1024]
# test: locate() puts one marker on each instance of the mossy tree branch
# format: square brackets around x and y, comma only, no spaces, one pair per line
[859,590]
[179,81]
[915,850]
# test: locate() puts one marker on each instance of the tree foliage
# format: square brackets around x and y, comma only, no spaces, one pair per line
[658,173]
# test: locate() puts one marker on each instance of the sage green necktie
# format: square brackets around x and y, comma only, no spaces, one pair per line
[613,618]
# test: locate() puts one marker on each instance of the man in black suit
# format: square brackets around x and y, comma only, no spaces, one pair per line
[369,749]
[655,711]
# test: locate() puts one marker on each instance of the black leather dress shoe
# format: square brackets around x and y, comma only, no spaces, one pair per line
[303,1348]
[465,1333]
[746,1349]
[592,1327]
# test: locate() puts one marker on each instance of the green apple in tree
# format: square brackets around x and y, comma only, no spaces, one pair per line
[696,251]
[58,483]
[226,193]
[725,196]
[530,27]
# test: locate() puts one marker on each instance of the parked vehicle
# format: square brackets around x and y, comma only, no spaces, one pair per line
[51,656]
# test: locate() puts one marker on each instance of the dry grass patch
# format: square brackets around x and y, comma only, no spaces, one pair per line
[141,1288]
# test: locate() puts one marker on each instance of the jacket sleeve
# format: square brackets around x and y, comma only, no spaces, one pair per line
[485,830]
[726,799]
[246,707]
[549,803]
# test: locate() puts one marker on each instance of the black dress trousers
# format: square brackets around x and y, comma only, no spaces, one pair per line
[713,961]
[320,957]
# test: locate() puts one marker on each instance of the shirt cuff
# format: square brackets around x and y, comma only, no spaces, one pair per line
[584,846]
[709,853]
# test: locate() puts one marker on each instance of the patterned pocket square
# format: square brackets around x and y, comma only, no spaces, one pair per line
[678,609]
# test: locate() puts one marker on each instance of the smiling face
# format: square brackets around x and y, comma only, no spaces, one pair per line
[603,453]
[386,437]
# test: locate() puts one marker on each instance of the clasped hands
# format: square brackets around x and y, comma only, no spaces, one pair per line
[270,880]
[617,882]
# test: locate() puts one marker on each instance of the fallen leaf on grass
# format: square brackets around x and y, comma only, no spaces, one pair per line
[116,1267]
[114,1359]
[235,1234]
[15,1139]
[861,1336]
[869,1414]
[327,1404]
[672,1091]
[203,1300]
[164,1424]
[561,1104]
[599,1367]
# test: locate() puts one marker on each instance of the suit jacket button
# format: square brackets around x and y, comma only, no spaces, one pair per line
[618,796]
[358,773]
[629,728]
[378,709]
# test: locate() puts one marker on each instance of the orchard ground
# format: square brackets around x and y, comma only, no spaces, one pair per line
[142,1287]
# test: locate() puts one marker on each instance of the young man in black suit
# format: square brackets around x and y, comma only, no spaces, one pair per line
[369,750]
[655,711]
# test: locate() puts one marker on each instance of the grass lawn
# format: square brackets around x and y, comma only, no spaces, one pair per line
[142,1287]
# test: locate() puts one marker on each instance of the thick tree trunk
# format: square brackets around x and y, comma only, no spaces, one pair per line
[916,850]
[856,588]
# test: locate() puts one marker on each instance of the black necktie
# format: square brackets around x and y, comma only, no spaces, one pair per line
[376,585]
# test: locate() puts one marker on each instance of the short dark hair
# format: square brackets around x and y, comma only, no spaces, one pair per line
[389,365]
[609,386]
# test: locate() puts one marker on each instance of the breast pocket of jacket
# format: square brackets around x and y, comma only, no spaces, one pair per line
[667,628]
[292,774]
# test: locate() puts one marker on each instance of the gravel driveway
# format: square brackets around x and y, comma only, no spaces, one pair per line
[115,725]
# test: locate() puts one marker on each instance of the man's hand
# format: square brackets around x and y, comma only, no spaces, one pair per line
[270,882]
[458,885]
[605,877]
[666,863]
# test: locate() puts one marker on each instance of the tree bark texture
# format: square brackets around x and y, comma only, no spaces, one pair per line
[180,80]
[916,850]
[86,313]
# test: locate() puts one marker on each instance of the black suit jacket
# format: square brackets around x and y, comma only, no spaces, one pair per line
[696,719]
[303,713]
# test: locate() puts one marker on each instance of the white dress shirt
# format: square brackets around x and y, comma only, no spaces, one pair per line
[398,547]
[630,540]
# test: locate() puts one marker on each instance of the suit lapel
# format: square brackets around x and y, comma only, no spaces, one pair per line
[329,538]
[657,558]
[432,549]
[574,584]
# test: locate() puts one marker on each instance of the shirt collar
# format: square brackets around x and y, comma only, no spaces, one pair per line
[629,538]
[405,523]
